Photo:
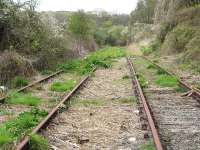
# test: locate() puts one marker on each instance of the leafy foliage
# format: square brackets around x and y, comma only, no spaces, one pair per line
[80,25]
[144,12]
[13,129]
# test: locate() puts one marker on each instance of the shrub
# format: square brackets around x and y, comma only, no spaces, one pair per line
[20,82]
[12,65]
[177,39]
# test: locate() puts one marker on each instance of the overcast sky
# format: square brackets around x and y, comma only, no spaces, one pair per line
[116,6]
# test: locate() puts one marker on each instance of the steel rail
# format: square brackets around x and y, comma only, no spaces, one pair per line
[23,145]
[151,123]
[186,85]
[2,100]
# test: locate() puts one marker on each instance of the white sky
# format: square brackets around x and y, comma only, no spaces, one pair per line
[115,6]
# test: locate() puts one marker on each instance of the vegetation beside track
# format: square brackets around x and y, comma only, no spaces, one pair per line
[13,129]
[101,58]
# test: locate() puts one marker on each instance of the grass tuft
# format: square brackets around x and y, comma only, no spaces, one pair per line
[20,82]
[167,81]
[143,82]
[63,86]
[24,99]
[38,142]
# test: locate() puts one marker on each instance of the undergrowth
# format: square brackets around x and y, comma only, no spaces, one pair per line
[100,58]
[23,99]
[37,142]
[63,86]
[167,81]
[14,129]
[20,82]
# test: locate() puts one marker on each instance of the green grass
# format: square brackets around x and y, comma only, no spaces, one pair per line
[148,146]
[20,82]
[146,50]
[38,142]
[23,99]
[63,86]
[167,81]
[87,103]
[143,82]
[101,58]
[14,129]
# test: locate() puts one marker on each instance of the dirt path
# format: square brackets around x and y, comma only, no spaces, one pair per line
[102,116]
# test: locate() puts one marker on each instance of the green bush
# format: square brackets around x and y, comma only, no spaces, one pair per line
[63,86]
[20,82]
[178,38]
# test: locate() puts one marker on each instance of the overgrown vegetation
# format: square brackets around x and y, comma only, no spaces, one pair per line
[13,129]
[63,86]
[20,82]
[37,142]
[167,81]
[100,58]
[146,50]
[23,99]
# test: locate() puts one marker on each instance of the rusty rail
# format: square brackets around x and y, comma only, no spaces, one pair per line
[2,100]
[195,91]
[23,145]
[139,90]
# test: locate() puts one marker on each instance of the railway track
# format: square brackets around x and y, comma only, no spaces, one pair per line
[44,123]
[175,115]
[110,123]
[50,100]
[172,118]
